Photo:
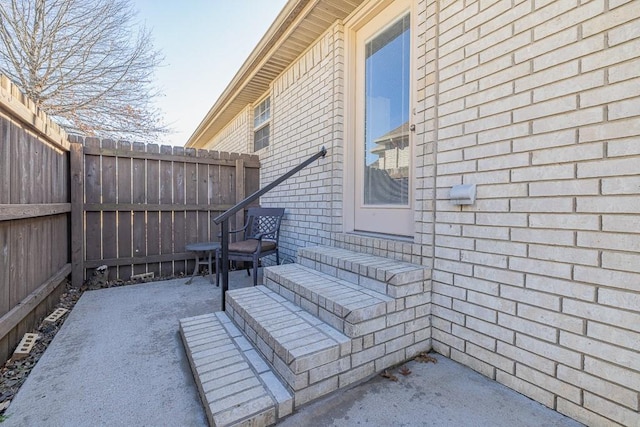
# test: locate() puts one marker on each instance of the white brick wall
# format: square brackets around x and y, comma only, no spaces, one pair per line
[303,121]
[237,136]
[538,103]
[549,268]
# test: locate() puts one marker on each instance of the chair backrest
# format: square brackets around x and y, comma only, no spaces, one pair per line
[264,220]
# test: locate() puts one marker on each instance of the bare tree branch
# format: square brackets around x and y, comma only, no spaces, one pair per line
[86,63]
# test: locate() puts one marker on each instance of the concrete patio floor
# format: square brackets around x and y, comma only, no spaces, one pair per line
[118,360]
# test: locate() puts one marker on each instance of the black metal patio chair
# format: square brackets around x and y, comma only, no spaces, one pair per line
[261,236]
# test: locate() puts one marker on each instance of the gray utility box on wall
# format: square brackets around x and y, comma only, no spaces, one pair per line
[464,194]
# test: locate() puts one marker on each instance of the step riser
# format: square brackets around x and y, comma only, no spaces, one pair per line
[293,365]
[374,320]
[394,279]
[335,313]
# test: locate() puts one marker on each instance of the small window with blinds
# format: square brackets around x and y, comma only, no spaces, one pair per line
[261,121]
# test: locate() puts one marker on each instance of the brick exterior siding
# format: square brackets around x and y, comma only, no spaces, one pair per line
[304,118]
[536,285]
[528,283]
[237,136]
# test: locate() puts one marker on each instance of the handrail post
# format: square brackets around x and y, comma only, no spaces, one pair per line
[224,228]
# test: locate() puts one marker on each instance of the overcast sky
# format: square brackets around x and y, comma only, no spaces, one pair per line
[204,42]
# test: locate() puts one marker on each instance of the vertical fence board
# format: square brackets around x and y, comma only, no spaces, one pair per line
[253,180]
[227,180]
[138,177]
[18,266]
[239,187]
[56,243]
[63,236]
[125,243]
[214,185]
[139,195]
[125,224]
[5,226]
[18,194]
[124,173]
[166,218]
[179,241]
[56,182]
[108,166]
[93,194]
[109,195]
[179,198]
[64,175]
[153,216]
[34,250]
[191,217]
[35,170]
[5,161]
[204,202]
[5,266]
[25,168]
[47,179]
[191,198]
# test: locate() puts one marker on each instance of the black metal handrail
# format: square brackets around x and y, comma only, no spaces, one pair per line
[223,218]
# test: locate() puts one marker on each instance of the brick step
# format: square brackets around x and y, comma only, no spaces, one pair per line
[348,307]
[396,279]
[307,353]
[236,385]
[337,319]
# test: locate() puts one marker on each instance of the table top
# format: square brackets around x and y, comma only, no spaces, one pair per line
[203,246]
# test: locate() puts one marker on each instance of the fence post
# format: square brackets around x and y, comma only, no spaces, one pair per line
[76,166]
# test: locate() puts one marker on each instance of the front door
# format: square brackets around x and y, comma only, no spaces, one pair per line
[383,151]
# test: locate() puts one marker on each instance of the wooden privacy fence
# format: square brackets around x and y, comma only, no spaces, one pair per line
[34,216]
[142,203]
[69,205]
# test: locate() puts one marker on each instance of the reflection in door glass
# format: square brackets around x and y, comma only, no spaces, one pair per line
[387,150]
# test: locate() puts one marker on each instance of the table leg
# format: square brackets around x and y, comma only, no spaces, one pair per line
[209,266]
[197,269]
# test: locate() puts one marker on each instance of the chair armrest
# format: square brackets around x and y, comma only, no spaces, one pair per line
[259,236]
[234,231]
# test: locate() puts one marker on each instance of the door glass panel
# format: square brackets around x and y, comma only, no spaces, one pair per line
[386,116]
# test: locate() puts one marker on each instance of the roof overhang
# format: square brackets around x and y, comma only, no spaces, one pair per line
[295,29]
